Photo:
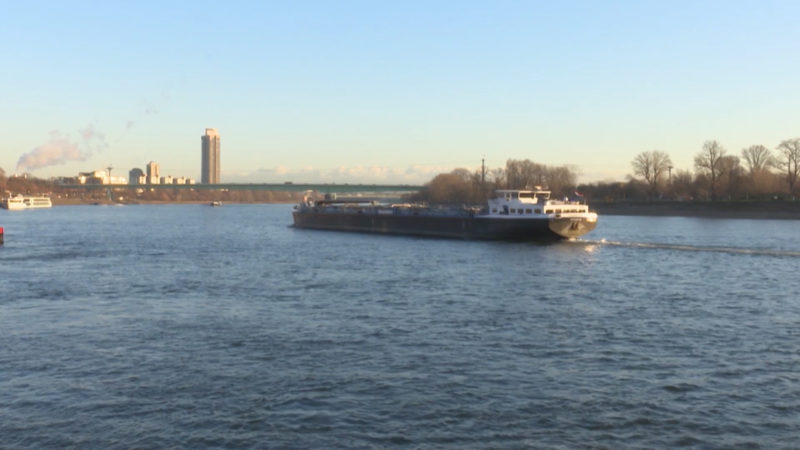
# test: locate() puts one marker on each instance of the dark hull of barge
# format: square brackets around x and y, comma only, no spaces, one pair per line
[453,227]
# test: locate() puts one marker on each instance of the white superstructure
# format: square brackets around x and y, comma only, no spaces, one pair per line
[18,202]
[533,203]
[569,219]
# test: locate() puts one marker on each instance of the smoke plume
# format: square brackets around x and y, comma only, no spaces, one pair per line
[60,149]
[93,140]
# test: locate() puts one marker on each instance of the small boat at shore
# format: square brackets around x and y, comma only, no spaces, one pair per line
[216,203]
[511,214]
[20,202]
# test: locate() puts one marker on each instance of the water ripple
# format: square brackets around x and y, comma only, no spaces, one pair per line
[656,334]
[691,248]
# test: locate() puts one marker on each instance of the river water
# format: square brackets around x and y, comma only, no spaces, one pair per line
[157,326]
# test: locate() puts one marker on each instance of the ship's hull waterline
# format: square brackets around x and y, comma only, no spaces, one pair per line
[454,227]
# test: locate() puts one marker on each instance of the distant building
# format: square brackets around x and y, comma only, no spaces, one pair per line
[153,176]
[136,176]
[88,178]
[65,180]
[99,177]
[209,171]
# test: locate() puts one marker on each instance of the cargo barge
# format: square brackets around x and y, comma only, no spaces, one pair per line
[510,214]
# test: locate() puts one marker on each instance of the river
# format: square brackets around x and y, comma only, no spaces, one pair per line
[157,326]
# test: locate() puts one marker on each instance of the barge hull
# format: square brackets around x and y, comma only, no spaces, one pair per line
[458,227]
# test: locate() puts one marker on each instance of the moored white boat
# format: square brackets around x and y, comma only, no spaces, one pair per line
[19,202]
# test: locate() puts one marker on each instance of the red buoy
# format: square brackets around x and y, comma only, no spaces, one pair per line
[1,235]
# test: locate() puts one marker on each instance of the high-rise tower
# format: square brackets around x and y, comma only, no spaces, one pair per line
[209,172]
[153,176]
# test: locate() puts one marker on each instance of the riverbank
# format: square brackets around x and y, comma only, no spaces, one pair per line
[174,197]
[785,210]
[79,201]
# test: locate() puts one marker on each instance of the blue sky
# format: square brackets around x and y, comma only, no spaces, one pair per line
[391,92]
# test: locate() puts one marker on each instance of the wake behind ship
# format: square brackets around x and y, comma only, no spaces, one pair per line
[511,214]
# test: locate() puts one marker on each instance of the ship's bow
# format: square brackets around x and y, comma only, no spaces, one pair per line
[573,227]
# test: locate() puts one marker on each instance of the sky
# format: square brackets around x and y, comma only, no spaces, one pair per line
[390,92]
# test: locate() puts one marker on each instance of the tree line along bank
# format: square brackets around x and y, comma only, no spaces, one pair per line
[759,174]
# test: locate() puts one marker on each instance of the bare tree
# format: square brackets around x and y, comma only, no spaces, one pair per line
[790,161]
[730,175]
[651,166]
[460,186]
[707,162]
[3,180]
[521,174]
[758,158]
[524,173]
[683,185]
[497,178]
[464,174]
[561,180]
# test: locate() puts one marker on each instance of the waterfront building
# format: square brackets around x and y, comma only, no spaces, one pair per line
[65,180]
[209,171]
[153,176]
[89,178]
[136,176]
[99,177]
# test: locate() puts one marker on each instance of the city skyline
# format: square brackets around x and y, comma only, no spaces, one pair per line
[394,93]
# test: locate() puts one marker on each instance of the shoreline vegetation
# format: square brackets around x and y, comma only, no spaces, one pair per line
[681,196]
[722,209]
[130,197]
[771,210]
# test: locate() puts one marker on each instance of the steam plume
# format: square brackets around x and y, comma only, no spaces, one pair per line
[60,149]
[93,140]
